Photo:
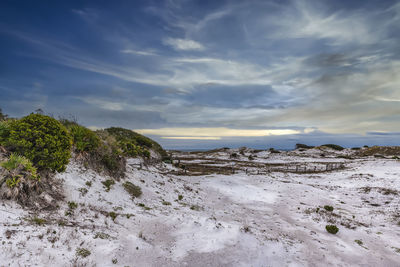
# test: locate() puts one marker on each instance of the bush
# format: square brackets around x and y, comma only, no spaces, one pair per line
[21,179]
[124,136]
[15,161]
[107,184]
[328,208]
[83,252]
[4,131]
[84,139]
[335,147]
[273,150]
[332,229]
[303,146]
[133,190]
[41,139]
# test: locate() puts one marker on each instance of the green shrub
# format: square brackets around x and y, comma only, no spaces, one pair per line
[41,139]
[72,205]
[332,229]
[13,181]
[16,161]
[303,146]
[38,221]
[328,208]
[4,131]
[130,148]
[113,215]
[82,252]
[107,184]
[144,141]
[133,190]
[125,135]
[84,139]
[335,147]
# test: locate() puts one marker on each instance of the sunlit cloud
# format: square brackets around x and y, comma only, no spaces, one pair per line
[192,137]
[215,132]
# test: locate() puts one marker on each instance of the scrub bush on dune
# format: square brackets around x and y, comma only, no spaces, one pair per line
[20,178]
[4,131]
[84,139]
[41,139]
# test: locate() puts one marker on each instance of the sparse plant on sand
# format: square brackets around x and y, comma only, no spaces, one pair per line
[133,190]
[332,229]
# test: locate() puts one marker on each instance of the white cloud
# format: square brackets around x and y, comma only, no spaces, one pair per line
[138,52]
[183,44]
[215,132]
[307,20]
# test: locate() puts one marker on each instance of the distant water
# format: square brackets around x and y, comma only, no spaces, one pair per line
[208,149]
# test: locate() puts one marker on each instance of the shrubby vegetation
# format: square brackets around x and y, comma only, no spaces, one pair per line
[134,144]
[133,190]
[84,139]
[333,146]
[19,176]
[303,146]
[332,229]
[39,144]
[41,139]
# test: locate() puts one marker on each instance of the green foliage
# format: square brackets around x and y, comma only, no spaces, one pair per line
[82,252]
[41,139]
[113,215]
[102,235]
[359,242]
[16,161]
[332,229]
[38,221]
[4,131]
[133,190]
[303,146]
[130,148]
[124,136]
[195,207]
[166,203]
[13,181]
[83,138]
[333,146]
[72,205]
[328,208]
[144,141]
[107,184]
[180,197]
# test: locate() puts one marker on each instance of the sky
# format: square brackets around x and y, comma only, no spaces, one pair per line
[206,74]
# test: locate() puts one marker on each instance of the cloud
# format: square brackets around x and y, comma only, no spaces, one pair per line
[192,137]
[138,52]
[215,132]
[183,44]
[305,19]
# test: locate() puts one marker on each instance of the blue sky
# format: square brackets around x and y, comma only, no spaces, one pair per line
[204,74]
